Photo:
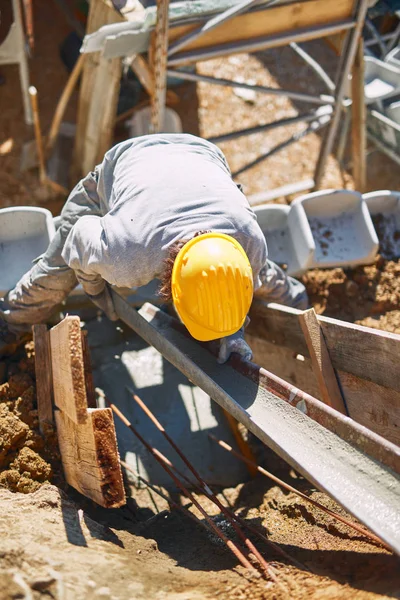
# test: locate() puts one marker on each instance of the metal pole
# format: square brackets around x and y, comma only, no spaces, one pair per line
[263,43]
[315,66]
[295,138]
[304,118]
[329,138]
[216,21]
[320,100]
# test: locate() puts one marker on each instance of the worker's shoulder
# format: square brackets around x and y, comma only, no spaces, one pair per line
[162,141]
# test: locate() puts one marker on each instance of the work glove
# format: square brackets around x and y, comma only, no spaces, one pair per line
[234,343]
[104,301]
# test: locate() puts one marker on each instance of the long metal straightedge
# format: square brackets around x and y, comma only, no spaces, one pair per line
[364,486]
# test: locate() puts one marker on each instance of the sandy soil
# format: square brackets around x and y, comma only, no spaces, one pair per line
[55,543]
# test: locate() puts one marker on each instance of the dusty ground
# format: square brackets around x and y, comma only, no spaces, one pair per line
[54,543]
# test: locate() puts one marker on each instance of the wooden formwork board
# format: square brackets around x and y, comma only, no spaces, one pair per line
[98,97]
[86,436]
[287,17]
[365,361]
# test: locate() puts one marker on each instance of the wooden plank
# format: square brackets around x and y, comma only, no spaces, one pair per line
[143,72]
[159,66]
[270,21]
[90,457]
[241,443]
[367,353]
[358,121]
[97,98]
[371,405]
[358,354]
[321,361]
[68,370]
[284,363]
[43,370]
[87,365]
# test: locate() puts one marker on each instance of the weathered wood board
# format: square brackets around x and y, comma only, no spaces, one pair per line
[43,372]
[366,362]
[89,456]
[98,97]
[86,436]
[68,369]
[321,361]
[271,21]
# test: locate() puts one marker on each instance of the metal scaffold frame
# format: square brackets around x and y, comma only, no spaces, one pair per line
[335,97]
[246,27]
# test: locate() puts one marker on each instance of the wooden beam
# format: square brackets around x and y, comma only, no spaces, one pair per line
[358,121]
[371,405]
[242,444]
[159,66]
[43,370]
[365,361]
[143,72]
[98,97]
[86,436]
[321,361]
[87,365]
[90,462]
[68,369]
[270,21]
[367,353]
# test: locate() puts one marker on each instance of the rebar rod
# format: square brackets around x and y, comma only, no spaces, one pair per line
[171,502]
[229,543]
[203,484]
[313,128]
[290,488]
[238,518]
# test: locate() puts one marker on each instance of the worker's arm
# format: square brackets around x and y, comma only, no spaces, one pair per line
[86,252]
[275,286]
[278,287]
[234,344]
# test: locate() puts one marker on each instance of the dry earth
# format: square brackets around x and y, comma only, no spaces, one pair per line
[55,544]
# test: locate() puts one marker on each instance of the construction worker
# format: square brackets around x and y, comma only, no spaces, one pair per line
[160,206]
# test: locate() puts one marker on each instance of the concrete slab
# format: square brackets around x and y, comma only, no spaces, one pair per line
[120,358]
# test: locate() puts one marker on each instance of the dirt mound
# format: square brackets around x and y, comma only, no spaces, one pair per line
[367,295]
[26,457]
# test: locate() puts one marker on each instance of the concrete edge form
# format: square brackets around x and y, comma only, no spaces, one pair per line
[363,486]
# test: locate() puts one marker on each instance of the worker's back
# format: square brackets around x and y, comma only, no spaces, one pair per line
[155,190]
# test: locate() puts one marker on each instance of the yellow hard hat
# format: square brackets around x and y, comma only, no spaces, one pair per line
[212,286]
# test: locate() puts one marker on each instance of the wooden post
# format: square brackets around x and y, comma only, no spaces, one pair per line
[358,129]
[86,436]
[321,362]
[160,45]
[87,364]
[241,443]
[98,97]
[44,385]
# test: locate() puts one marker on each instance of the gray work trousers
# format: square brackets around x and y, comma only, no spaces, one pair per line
[35,297]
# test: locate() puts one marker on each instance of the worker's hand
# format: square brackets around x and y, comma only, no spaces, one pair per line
[104,301]
[234,343]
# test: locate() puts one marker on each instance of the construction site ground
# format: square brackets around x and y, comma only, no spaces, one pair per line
[56,544]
